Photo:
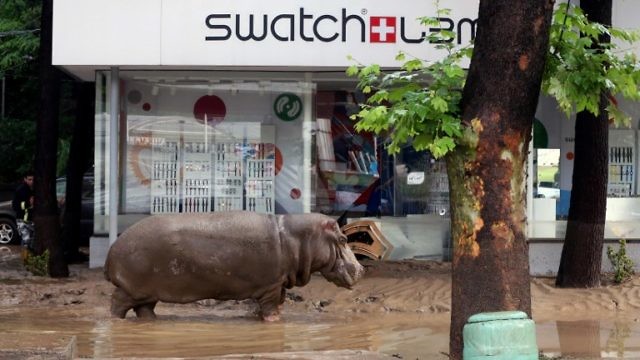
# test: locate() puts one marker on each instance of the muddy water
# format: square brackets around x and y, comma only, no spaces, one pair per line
[591,339]
[411,336]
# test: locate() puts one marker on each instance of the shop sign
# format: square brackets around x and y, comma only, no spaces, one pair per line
[285,33]
[308,33]
[307,27]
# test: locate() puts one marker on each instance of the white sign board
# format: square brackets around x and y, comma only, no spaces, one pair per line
[415,178]
[250,33]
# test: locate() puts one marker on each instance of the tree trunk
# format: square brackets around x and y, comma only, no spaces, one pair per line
[47,222]
[80,158]
[487,170]
[582,250]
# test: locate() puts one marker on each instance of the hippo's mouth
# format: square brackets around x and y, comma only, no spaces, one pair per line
[343,274]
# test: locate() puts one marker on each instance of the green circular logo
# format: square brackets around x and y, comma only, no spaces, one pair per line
[287,106]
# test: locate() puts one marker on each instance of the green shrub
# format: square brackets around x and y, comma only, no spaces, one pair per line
[38,264]
[621,262]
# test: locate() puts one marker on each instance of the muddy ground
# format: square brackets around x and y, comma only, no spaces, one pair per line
[400,309]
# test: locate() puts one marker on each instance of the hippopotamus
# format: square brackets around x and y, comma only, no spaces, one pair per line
[181,258]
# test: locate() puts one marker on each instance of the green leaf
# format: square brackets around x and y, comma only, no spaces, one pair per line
[439,104]
[412,65]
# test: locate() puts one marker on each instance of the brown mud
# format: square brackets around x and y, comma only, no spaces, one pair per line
[399,310]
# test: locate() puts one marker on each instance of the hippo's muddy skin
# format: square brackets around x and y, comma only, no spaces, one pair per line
[225,256]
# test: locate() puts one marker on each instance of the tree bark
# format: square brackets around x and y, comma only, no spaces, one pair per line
[487,169]
[581,258]
[80,159]
[47,222]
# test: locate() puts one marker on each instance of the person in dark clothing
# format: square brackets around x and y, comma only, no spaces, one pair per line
[22,205]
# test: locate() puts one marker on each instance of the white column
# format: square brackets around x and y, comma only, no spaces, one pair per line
[529,187]
[114,112]
[307,127]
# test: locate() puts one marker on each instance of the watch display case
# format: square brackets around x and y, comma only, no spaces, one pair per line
[165,180]
[196,185]
[228,176]
[204,174]
[622,160]
[259,186]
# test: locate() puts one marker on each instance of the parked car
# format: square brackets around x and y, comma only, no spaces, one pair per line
[9,231]
[8,228]
[547,189]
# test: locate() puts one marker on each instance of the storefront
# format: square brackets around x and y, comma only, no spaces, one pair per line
[245,105]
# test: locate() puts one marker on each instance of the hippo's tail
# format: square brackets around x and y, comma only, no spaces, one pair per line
[106,269]
[106,272]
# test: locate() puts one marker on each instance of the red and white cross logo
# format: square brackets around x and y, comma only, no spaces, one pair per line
[382,29]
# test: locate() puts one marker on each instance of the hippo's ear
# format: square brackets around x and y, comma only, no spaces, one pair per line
[330,227]
[329,224]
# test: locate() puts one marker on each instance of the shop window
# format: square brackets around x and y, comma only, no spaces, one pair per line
[547,179]
[422,185]
[349,163]
[195,142]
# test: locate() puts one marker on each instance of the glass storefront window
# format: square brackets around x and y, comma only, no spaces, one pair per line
[552,179]
[101,152]
[422,185]
[201,142]
[348,162]
[277,143]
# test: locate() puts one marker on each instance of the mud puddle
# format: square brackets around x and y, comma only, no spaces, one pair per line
[406,335]
[590,339]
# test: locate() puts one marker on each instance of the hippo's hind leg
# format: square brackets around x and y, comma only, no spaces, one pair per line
[145,311]
[121,302]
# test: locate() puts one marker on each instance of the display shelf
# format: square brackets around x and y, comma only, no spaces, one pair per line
[259,187]
[165,177]
[260,173]
[197,178]
[228,177]
[622,159]
[438,202]
[195,174]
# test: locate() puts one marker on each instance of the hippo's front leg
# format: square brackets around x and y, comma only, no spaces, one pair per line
[271,303]
[283,296]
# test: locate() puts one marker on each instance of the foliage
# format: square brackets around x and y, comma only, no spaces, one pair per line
[19,45]
[621,262]
[577,71]
[429,118]
[38,264]
[19,31]
[64,145]
[16,148]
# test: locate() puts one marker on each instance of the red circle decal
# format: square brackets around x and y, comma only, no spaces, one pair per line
[210,106]
[146,106]
[570,155]
[295,193]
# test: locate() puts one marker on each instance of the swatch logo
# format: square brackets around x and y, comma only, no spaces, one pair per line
[338,26]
